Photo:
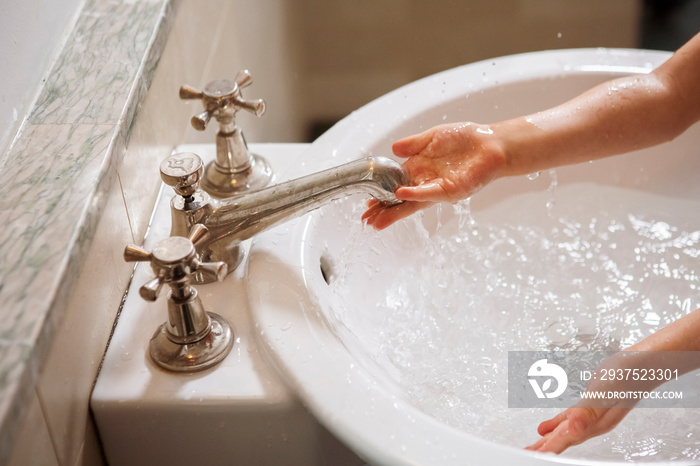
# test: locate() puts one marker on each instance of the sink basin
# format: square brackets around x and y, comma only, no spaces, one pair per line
[397,341]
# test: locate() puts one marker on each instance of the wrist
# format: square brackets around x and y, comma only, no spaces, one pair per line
[513,140]
[491,142]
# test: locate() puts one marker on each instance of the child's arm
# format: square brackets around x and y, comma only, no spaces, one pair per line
[452,162]
[581,422]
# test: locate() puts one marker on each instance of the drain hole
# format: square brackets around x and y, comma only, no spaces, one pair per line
[327,269]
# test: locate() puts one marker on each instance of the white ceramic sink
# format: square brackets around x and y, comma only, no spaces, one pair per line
[238,412]
[397,341]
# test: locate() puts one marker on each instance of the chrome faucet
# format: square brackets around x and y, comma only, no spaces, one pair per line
[191,339]
[235,170]
[235,219]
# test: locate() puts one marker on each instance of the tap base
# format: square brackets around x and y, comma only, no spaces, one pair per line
[195,356]
[221,182]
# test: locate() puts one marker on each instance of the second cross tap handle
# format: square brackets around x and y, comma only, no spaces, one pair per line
[173,260]
[235,170]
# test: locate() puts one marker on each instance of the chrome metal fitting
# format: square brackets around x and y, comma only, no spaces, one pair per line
[235,219]
[192,339]
[235,169]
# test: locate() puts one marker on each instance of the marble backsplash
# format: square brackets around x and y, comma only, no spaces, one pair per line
[56,176]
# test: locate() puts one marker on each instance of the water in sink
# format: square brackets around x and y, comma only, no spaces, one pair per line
[444,296]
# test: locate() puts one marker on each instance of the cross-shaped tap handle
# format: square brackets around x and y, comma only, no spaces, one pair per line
[222,99]
[191,339]
[173,260]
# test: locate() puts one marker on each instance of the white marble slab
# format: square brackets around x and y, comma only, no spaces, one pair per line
[56,175]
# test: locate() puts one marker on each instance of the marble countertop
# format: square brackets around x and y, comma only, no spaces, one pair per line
[56,174]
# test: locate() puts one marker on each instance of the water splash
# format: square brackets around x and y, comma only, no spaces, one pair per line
[447,294]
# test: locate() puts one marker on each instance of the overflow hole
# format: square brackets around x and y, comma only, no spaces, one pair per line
[327,269]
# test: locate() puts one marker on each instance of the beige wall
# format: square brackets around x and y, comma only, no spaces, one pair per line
[321,59]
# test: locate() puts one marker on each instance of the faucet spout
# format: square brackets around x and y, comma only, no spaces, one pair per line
[235,219]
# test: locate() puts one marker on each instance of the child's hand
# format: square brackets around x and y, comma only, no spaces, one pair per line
[576,425]
[446,163]
[595,416]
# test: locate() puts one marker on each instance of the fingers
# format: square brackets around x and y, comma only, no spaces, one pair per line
[555,434]
[559,435]
[557,440]
[426,192]
[415,198]
[537,445]
[411,145]
[380,217]
[575,426]
[547,426]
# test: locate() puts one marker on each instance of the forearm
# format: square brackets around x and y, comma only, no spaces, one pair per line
[674,347]
[680,335]
[615,117]
[450,162]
